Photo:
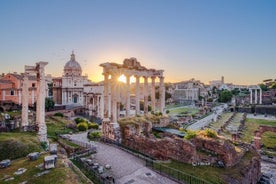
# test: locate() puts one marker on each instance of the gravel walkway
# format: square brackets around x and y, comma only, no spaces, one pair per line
[126,168]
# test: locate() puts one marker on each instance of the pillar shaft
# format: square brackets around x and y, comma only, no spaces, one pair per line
[106,95]
[153,94]
[162,94]
[113,100]
[128,96]
[251,98]
[256,96]
[137,100]
[261,96]
[25,95]
[146,95]
[40,111]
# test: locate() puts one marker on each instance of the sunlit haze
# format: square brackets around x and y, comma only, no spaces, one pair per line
[201,39]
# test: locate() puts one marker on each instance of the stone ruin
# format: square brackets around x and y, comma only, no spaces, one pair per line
[198,151]
[38,69]
[112,93]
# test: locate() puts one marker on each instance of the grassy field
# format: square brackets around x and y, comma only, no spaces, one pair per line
[59,175]
[183,110]
[269,139]
[251,125]
[17,144]
[57,124]
[224,117]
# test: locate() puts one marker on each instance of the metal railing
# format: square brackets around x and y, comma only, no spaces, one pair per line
[174,174]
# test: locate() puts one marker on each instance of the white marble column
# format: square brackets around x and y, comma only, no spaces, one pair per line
[40,111]
[98,105]
[261,96]
[251,97]
[102,106]
[256,96]
[146,95]
[33,95]
[153,93]
[20,97]
[137,100]
[25,97]
[128,96]
[162,94]
[106,96]
[113,99]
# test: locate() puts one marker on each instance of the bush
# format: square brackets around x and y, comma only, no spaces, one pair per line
[190,134]
[12,149]
[80,120]
[59,114]
[181,129]
[94,135]
[83,126]
[93,125]
[211,133]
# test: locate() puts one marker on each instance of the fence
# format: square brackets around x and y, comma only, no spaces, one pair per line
[171,173]
[91,173]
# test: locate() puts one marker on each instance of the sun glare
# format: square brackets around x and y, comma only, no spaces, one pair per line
[122,78]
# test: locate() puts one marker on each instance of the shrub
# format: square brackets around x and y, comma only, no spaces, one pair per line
[83,126]
[190,134]
[79,120]
[93,125]
[181,129]
[167,111]
[210,133]
[59,114]
[94,135]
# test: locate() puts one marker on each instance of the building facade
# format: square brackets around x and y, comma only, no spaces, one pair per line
[75,90]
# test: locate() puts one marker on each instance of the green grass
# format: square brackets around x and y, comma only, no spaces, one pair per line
[224,117]
[68,143]
[57,124]
[251,125]
[269,139]
[58,175]
[18,144]
[184,110]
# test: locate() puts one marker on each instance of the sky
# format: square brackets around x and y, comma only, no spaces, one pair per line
[201,39]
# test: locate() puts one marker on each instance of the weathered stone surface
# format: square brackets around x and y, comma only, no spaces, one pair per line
[199,151]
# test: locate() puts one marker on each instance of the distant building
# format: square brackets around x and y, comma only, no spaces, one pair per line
[11,88]
[73,89]
[188,91]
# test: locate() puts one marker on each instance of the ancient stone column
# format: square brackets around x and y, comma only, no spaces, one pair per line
[162,94]
[20,97]
[153,93]
[40,111]
[106,95]
[146,95]
[261,96]
[25,97]
[256,96]
[113,100]
[128,96]
[251,98]
[137,95]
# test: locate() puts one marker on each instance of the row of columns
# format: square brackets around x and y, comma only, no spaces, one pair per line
[111,94]
[256,96]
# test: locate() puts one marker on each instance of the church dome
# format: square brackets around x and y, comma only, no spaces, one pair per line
[72,67]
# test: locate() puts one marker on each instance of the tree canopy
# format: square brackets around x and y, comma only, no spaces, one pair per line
[225,96]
